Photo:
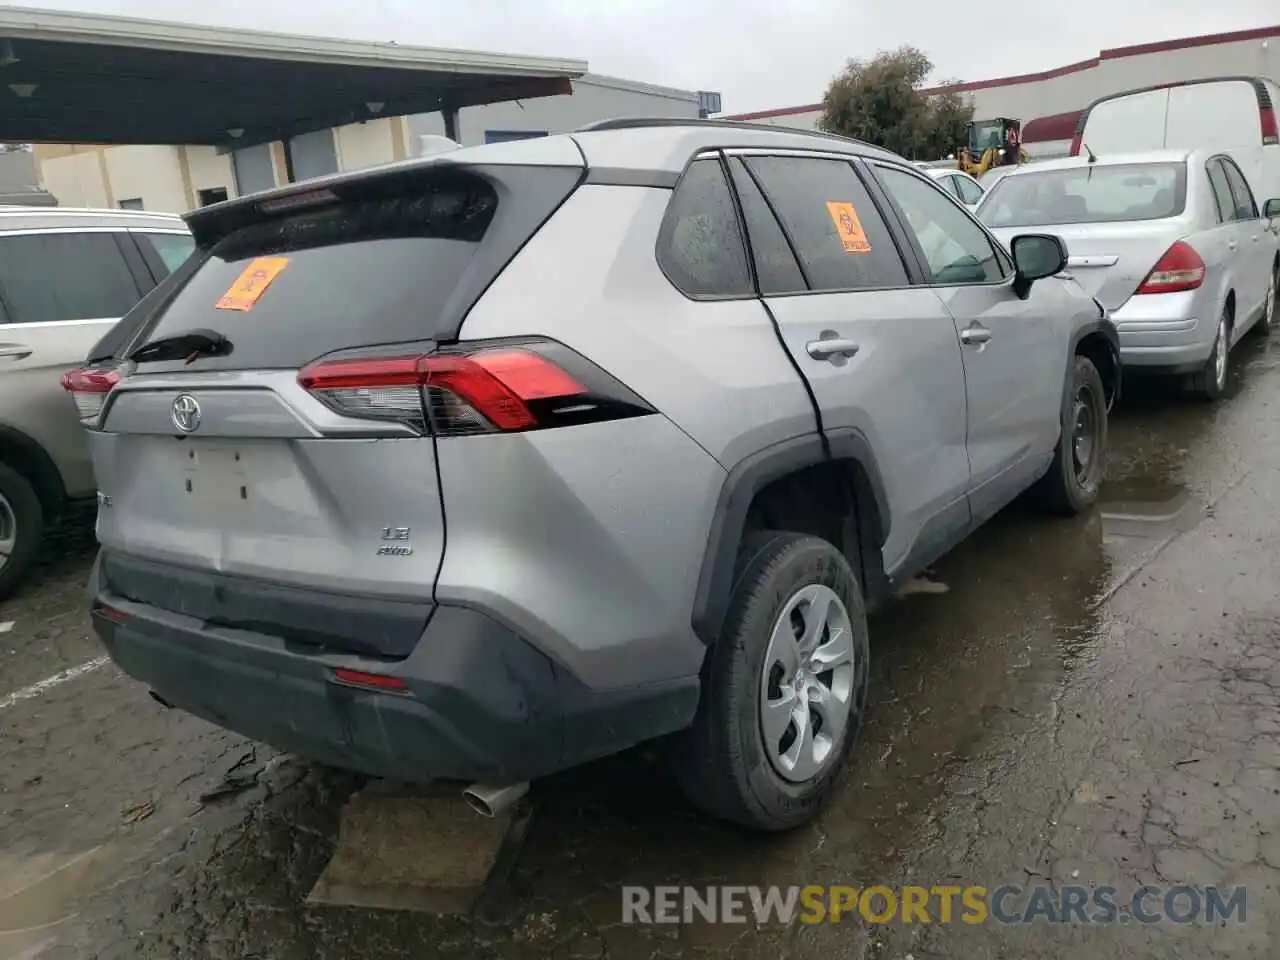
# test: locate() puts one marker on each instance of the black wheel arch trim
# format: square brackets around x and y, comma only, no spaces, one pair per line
[1105,326]
[47,478]
[744,481]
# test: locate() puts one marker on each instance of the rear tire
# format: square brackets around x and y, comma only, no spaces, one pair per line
[1080,461]
[727,763]
[1265,322]
[21,527]
[1211,382]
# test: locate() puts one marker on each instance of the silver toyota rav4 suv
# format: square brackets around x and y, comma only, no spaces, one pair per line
[482,466]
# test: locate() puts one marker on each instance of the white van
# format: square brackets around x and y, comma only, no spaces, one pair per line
[1236,115]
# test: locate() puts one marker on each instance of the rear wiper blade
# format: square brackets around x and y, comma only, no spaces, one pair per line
[186,346]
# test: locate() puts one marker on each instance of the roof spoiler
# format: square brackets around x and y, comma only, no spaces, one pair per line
[210,224]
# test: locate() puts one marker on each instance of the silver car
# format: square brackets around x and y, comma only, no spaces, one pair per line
[484,465]
[1173,243]
[959,184]
[66,277]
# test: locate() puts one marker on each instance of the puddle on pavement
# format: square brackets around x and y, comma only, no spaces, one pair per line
[957,675]
[40,892]
[1141,513]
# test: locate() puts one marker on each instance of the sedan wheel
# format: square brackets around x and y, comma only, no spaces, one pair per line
[1264,324]
[1211,382]
[1220,354]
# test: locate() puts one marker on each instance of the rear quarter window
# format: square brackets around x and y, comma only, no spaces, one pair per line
[700,246]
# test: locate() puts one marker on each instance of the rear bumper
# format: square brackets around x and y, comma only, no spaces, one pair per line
[1164,332]
[479,703]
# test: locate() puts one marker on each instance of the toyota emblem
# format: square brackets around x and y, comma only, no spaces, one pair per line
[186,413]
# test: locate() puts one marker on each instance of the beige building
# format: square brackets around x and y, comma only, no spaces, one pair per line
[1071,88]
[180,178]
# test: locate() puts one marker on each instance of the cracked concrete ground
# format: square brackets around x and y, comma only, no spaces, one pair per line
[1092,702]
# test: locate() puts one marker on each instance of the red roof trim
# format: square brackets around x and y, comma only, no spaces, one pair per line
[1017,79]
[1056,126]
[776,112]
[1187,43]
[1115,53]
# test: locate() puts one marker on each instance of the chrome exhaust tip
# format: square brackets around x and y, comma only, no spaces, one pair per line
[489,800]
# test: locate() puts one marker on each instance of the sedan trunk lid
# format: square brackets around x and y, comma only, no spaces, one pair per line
[1110,260]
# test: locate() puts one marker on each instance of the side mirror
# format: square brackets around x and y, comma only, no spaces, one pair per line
[1036,256]
[1272,209]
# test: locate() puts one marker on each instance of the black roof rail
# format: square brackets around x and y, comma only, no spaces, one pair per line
[641,123]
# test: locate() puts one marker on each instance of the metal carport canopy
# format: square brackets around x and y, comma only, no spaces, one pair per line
[87,78]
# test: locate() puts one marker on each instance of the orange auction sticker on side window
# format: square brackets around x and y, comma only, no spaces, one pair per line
[252,283]
[848,227]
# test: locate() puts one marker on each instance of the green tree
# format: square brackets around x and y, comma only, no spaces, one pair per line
[882,101]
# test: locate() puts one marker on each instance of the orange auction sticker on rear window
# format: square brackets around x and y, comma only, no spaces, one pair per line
[252,283]
[848,227]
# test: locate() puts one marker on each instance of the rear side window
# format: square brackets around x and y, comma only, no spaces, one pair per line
[776,266]
[1222,199]
[951,185]
[1088,193]
[402,261]
[699,246]
[831,220]
[1245,207]
[48,277]
[970,192]
[171,249]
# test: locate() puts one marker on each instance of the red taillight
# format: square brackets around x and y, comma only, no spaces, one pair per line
[111,613]
[487,390]
[89,387]
[375,681]
[1075,144]
[1270,131]
[1179,269]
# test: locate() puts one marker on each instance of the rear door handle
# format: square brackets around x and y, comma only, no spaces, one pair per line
[1231,244]
[829,348]
[975,335]
[14,351]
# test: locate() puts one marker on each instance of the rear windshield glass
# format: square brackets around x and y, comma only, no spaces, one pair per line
[380,270]
[1087,194]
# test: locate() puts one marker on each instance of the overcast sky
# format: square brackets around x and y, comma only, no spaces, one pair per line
[758,53]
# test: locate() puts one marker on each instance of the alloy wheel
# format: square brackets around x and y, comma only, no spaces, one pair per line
[1220,354]
[809,682]
[8,531]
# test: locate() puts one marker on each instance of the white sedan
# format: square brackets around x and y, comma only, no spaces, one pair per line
[959,184]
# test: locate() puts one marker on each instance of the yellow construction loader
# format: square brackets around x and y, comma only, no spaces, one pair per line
[990,143]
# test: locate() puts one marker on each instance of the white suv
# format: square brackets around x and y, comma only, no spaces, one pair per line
[66,277]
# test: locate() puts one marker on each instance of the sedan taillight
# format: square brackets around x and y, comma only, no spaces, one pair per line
[1181,268]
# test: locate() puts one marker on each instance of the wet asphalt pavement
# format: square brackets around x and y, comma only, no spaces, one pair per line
[1091,702]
